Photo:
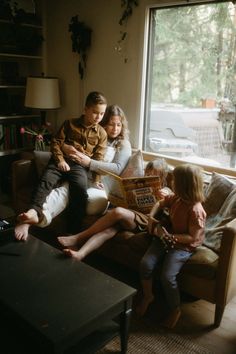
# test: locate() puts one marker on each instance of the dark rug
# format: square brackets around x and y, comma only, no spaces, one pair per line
[147,338]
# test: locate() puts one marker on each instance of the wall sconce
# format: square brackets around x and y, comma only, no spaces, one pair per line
[42,93]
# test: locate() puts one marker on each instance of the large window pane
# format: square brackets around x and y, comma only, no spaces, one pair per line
[191,95]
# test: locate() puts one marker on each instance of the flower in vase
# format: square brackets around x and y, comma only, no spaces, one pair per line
[39,133]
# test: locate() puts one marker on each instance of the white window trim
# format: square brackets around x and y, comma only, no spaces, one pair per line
[148,155]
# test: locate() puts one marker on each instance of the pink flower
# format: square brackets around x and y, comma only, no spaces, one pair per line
[39,137]
[37,133]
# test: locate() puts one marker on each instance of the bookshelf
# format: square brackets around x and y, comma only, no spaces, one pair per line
[22,51]
[21,55]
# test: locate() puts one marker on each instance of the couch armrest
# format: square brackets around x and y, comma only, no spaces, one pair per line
[226,280]
[24,177]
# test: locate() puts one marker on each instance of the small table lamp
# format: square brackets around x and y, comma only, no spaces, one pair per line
[42,93]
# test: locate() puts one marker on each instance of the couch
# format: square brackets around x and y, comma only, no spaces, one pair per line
[210,272]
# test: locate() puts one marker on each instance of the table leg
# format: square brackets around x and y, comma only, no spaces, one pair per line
[124,325]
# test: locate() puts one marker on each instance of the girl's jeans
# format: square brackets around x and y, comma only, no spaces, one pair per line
[170,262]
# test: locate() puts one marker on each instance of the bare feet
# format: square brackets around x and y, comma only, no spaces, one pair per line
[22,231]
[68,241]
[143,306]
[74,254]
[172,319]
[30,217]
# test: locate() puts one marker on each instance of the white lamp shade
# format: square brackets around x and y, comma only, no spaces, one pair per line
[42,93]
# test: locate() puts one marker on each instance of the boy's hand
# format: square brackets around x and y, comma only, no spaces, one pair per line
[63,166]
[68,149]
[81,158]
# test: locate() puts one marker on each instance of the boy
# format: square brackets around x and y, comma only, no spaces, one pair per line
[87,136]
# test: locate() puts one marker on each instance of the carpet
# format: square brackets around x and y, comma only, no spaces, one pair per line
[145,338]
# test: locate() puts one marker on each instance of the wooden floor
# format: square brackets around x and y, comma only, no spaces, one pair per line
[196,322]
[197,317]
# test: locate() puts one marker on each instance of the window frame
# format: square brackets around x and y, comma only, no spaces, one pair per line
[145,105]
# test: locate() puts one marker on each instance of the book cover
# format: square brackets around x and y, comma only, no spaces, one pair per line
[137,193]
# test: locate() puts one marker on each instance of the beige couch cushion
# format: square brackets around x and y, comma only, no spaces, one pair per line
[203,263]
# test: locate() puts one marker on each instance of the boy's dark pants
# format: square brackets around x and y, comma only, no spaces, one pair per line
[78,184]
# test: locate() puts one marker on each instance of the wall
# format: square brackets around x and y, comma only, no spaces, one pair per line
[106,70]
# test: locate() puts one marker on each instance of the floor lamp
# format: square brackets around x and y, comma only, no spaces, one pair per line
[42,93]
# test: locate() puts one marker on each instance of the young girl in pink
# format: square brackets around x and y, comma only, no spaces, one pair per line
[170,249]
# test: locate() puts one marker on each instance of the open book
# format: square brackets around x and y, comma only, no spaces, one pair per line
[137,193]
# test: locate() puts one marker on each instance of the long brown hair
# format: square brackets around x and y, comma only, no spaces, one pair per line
[188,183]
[115,110]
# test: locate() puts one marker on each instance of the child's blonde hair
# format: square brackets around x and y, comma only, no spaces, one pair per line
[160,165]
[188,183]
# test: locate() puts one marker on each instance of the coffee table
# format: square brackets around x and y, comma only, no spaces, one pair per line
[59,302]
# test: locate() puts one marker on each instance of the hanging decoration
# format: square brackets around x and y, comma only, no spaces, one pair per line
[81,42]
[128,6]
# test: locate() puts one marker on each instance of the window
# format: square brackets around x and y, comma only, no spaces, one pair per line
[191,83]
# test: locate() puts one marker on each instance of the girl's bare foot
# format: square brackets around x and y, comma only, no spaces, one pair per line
[143,306]
[172,319]
[68,241]
[22,231]
[74,254]
[30,217]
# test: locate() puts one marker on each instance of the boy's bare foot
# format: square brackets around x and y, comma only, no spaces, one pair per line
[22,231]
[74,254]
[30,217]
[141,308]
[172,319]
[68,241]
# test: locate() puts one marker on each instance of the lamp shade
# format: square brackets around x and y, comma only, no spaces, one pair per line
[42,93]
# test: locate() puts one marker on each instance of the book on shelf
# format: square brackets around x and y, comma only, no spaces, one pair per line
[1,137]
[137,193]
[12,138]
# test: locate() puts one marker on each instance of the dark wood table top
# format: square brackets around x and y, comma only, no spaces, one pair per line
[59,296]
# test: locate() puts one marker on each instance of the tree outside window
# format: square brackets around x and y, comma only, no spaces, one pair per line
[191,92]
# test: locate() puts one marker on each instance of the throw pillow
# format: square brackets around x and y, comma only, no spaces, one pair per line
[219,188]
[215,224]
[135,166]
[41,160]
